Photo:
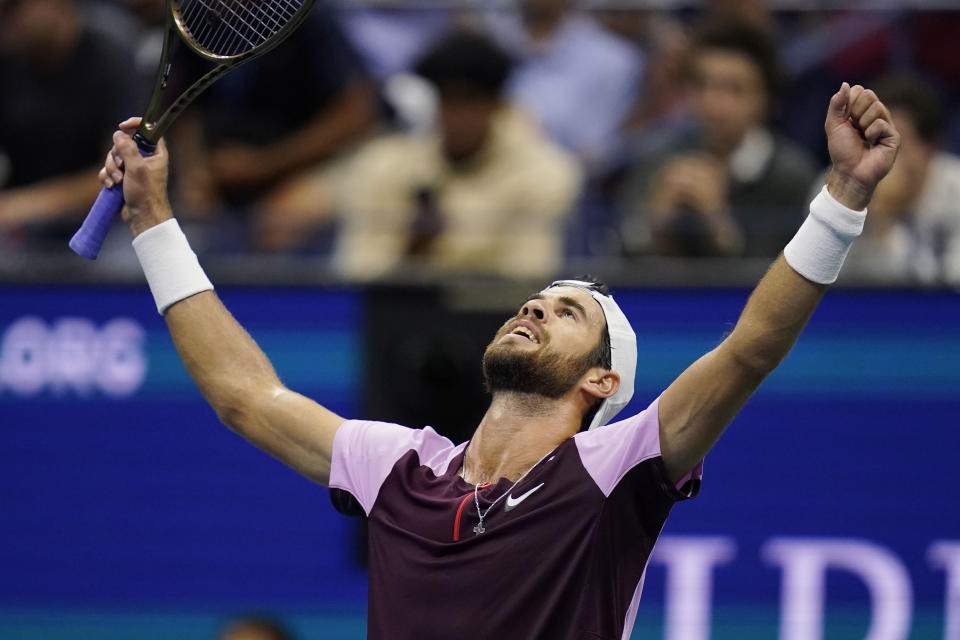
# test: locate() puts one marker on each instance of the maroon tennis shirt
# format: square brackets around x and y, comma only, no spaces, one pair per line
[562,556]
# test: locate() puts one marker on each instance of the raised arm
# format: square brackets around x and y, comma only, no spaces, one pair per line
[234,375]
[696,408]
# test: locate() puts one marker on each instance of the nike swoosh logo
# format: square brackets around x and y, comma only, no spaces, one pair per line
[512,502]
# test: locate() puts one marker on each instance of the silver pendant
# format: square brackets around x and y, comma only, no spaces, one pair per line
[479,529]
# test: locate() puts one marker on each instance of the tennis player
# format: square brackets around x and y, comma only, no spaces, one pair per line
[542,524]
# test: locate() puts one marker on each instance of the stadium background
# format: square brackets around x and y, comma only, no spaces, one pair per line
[129,512]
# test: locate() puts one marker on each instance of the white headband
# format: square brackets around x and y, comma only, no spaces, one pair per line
[623,351]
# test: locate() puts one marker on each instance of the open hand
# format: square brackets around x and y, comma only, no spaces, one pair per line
[863,144]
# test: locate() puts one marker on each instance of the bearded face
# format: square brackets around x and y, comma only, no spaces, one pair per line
[542,372]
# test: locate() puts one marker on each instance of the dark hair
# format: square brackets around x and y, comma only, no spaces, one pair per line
[601,355]
[465,58]
[595,284]
[737,36]
[918,99]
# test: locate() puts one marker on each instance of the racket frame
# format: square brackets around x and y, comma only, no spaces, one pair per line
[89,238]
[154,123]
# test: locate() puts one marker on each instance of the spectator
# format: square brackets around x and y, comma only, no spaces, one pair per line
[63,90]
[144,24]
[484,192]
[665,41]
[753,12]
[390,36]
[576,78]
[269,138]
[724,184]
[913,232]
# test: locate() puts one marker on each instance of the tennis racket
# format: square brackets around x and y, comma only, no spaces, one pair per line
[227,33]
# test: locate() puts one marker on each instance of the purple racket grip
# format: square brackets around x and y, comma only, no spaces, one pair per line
[90,236]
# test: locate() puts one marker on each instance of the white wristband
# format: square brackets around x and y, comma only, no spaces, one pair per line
[172,269]
[823,240]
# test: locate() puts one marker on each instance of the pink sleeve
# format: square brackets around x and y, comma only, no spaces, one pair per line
[364,452]
[609,452]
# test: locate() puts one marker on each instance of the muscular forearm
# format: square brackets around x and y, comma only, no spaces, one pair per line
[221,357]
[700,403]
[783,301]
[773,318]
[240,384]
[225,363]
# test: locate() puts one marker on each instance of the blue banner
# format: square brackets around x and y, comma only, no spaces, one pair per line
[827,510]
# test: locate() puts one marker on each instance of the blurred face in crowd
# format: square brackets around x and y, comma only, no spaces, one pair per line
[729,96]
[897,192]
[36,29]
[915,152]
[548,346]
[466,114]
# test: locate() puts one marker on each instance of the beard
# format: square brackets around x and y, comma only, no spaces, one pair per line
[542,372]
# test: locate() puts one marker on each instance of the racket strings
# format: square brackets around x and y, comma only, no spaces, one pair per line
[232,27]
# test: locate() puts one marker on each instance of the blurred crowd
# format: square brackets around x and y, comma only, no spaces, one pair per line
[503,138]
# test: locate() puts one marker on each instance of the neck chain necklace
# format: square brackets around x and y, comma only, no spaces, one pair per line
[476,491]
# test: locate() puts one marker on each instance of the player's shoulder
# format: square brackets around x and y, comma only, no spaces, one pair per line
[373,438]
[366,451]
[639,433]
[609,453]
